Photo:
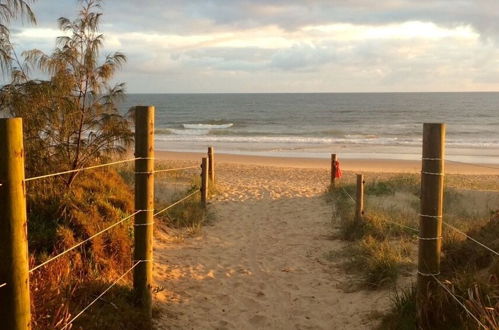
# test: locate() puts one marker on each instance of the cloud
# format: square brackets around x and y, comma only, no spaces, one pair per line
[293,45]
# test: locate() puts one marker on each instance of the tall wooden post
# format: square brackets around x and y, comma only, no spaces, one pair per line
[144,202]
[333,170]
[211,164]
[15,310]
[430,221]
[204,181]
[359,205]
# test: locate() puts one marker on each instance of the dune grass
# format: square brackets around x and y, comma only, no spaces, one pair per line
[60,218]
[381,261]
[383,249]
[188,216]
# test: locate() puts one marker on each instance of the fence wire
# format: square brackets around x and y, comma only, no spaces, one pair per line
[392,222]
[459,301]
[346,192]
[176,169]
[81,169]
[471,238]
[176,203]
[102,294]
[402,225]
[83,242]
[3,284]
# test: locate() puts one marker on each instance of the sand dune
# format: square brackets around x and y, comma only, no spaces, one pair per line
[263,263]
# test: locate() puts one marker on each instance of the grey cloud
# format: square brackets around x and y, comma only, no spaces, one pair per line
[200,16]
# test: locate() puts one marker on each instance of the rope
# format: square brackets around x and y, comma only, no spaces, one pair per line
[2,285]
[176,169]
[176,203]
[83,242]
[102,294]
[459,302]
[80,169]
[471,238]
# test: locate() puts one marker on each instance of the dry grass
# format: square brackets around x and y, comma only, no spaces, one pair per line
[381,261]
[59,218]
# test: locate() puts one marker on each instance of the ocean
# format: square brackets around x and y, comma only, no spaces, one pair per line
[353,125]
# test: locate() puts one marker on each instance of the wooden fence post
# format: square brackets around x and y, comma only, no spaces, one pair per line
[204,181]
[211,164]
[333,170]
[359,205]
[430,221]
[15,310]
[144,200]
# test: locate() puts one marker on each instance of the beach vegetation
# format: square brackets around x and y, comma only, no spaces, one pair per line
[71,120]
[381,261]
[384,249]
[57,221]
[189,215]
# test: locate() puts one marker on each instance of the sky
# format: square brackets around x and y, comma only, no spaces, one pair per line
[241,46]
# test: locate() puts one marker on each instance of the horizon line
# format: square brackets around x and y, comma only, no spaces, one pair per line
[409,92]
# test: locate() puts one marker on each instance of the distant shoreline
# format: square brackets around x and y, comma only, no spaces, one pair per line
[356,165]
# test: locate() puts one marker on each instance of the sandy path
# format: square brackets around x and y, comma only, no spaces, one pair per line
[263,263]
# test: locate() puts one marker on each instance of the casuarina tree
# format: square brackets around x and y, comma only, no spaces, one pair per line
[72,119]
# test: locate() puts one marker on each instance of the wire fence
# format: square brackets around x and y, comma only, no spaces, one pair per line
[177,202]
[470,238]
[81,169]
[384,220]
[451,227]
[3,284]
[176,169]
[121,221]
[85,241]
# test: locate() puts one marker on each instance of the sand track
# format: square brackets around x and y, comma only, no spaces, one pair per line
[263,262]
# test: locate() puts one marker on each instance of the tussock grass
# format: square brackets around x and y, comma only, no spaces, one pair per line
[381,249]
[381,261]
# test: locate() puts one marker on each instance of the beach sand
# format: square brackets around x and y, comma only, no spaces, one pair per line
[265,261]
[354,165]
